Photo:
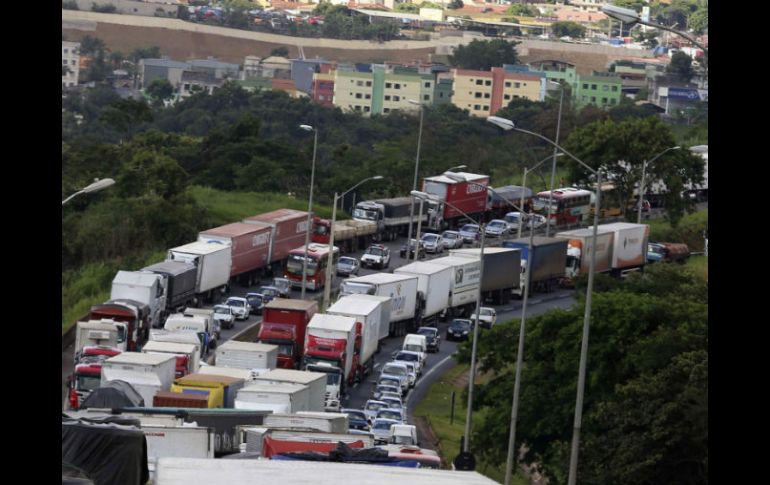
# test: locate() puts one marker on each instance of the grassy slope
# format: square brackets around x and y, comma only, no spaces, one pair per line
[436,406]
[689,230]
[90,284]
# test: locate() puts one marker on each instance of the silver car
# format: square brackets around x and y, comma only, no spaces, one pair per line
[451,240]
[239,306]
[496,228]
[433,243]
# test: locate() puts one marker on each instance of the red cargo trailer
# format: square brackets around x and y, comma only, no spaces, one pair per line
[469,196]
[250,246]
[283,324]
[288,232]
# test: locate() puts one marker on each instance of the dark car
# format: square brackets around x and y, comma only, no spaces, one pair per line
[347,266]
[357,419]
[269,293]
[459,329]
[412,245]
[431,336]
[256,302]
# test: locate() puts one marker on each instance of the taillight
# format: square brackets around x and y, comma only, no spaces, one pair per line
[73,399]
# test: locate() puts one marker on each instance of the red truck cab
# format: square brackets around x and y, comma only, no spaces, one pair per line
[284,322]
[87,375]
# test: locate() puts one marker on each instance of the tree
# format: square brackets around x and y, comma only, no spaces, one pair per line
[699,20]
[680,67]
[280,52]
[125,114]
[569,29]
[483,54]
[455,5]
[523,10]
[90,46]
[622,147]
[160,90]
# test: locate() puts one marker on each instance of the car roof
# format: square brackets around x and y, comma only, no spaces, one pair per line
[237,298]
[269,288]
[461,320]
[385,420]
[375,401]
[255,294]
[496,220]
[428,328]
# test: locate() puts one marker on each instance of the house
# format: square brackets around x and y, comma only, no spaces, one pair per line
[483,93]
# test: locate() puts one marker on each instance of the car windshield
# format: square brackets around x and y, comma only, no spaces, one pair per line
[374,406]
[469,228]
[392,402]
[402,440]
[236,303]
[499,224]
[355,414]
[388,414]
[375,251]
[449,235]
[389,382]
[428,332]
[347,261]
[395,370]
[382,425]
[254,299]
[407,357]
[461,324]
[429,237]
[487,311]
[221,309]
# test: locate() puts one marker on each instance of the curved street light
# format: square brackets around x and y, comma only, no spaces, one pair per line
[328,284]
[96,186]
[509,125]
[309,207]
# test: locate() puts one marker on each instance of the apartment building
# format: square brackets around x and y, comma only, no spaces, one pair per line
[382,90]
[483,93]
[70,58]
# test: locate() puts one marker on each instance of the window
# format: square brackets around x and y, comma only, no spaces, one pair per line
[506,97]
[614,89]
[593,87]
[479,82]
[388,85]
[358,108]
[73,62]
[396,86]
[440,95]
[351,81]
[358,95]
[487,83]
[517,85]
[585,86]
[516,96]
[605,88]
[478,95]
[486,95]
[525,84]
[66,51]
[477,107]
[368,84]
[486,108]
[64,61]
[507,84]
[187,86]
[387,98]
[593,99]
[612,100]
[368,96]
[604,100]
[396,98]
[366,109]
[427,84]
[359,83]
[426,97]
[386,110]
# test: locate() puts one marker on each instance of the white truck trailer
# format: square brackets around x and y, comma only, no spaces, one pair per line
[187,355]
[316,382]
[464,284]
[305,420]
[330,348]
[278,398]
[435,284]
[367,314]
[406,303]
[247,355]
[147,288]
[213,261]
[147,373]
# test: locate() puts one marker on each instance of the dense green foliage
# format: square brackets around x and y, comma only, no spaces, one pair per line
[680,67]
[523,9]
[645,417]
[484,54]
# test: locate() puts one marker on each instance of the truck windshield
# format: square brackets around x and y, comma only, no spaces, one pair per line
[365,214]
[294,265]
[403,440]
[348,288]
[332,379]
[88,383]
[321,230]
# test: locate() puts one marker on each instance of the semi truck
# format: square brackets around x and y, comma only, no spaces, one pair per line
[502,272]
[308,420]
[283,324]
[278,398]
[187,355]
[469,196]
[621,247]
[288,228]
[384,305]
[182,337]
[464,284]
[349,235]
[406,302]
[331,348]
[315,381]
[546,265]
[135,315]
[147,288]
[390,215]
[220,390]
[100,333]
[213,260]
[87,374]
[147,373]
[434,282]
[180,278]
[197,324]
[367,315]
[249,248]
[497,206]
[247,355]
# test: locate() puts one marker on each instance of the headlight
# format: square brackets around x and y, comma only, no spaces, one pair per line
[465,332]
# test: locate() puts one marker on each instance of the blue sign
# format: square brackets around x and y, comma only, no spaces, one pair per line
[683,93]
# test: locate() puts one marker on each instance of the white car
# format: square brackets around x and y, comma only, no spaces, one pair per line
[407,356]
[451,240]
[224,314]
[372,406]
[536,220]
[399,371]
[513,219]
[487,315]
[381,430]
[433,243]
[239,306]
[496,228]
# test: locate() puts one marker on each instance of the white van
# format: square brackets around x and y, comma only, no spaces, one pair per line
[414,342]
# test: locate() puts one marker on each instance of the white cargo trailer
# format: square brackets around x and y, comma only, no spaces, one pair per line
[247,355]
[177,441]
[367,314]
[304,420]
[278,398]
[147,288]
[315,381]
[435,284]
[213,261]
[405,303]
[147,373]
[175,348]
[464,284]
[384,301]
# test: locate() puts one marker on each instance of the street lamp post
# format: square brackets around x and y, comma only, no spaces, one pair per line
[553,165]
[414,185]
[96,186]
[469,410]
[328,283]
[641,185]
[309,207]
[509,125]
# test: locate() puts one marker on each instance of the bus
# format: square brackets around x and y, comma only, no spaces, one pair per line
[611,203]
[318,258]
[569,205]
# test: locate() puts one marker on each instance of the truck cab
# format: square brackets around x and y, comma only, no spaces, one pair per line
[403,434]
[334,384]
[88,372]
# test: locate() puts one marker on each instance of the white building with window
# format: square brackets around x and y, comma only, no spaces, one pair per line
[70,58]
